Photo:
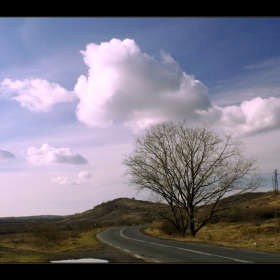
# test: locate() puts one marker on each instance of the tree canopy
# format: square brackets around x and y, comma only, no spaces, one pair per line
[191,169]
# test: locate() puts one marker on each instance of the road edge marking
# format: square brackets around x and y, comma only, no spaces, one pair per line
[148,260]
[183,249]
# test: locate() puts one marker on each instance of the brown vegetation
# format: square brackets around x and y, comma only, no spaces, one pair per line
[37,240]
[252,222]
[120,211]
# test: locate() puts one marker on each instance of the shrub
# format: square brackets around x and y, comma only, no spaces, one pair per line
[165,227]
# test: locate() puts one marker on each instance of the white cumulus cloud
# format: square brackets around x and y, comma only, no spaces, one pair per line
[5,155]
[36,94]
[128,86]
[47,155]
[250,117]
[125,85]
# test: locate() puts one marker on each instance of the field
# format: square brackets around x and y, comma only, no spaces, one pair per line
[34,240]
[42,243]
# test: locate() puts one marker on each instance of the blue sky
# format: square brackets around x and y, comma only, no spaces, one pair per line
[74,90]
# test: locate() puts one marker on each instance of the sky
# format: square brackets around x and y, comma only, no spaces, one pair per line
[75,91]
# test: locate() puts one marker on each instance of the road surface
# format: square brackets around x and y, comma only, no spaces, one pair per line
[155,250]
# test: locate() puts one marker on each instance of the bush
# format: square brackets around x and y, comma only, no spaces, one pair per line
[47,233]
[165,227]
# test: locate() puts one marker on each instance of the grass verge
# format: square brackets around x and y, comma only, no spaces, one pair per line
[29,248]
[264,236]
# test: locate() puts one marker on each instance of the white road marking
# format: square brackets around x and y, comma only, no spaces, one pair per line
[137,256]
[193,251]
[125,250]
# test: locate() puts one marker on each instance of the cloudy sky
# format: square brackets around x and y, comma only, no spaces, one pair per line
[73,91]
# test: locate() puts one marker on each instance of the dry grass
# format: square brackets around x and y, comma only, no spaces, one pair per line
[264,236]
[26,247]
[15,257]
[121,211]
[253,222]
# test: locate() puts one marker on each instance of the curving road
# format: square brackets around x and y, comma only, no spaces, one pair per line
[151,249]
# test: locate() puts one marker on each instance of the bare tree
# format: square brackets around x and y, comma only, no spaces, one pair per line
[191,169]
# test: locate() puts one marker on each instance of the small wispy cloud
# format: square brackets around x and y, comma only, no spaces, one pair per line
[83,177]
[267,63]
[61,181]
[47,155]
[5,155]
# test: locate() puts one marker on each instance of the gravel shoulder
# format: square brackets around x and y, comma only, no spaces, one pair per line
[104,252]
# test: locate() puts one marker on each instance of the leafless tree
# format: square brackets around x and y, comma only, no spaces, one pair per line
[191,169]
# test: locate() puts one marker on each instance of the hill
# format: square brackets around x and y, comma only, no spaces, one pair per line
[252,206]
[116,212]
[129,211]
[31,219]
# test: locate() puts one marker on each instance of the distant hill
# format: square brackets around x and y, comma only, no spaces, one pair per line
[131,211]
[127,211]
[117,211]
[24,219]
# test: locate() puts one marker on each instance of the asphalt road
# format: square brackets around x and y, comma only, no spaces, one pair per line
[151,249]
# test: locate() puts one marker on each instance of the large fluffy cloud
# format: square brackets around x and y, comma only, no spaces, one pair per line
[36,94]
[125,85]
[5,155]
[128,86]
[83,177]
[47,155]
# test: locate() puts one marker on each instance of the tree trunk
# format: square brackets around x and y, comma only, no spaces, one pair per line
[192,226]
[192,229]
[182,232]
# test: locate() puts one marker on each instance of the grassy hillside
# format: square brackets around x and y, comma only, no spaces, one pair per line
[116,212]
